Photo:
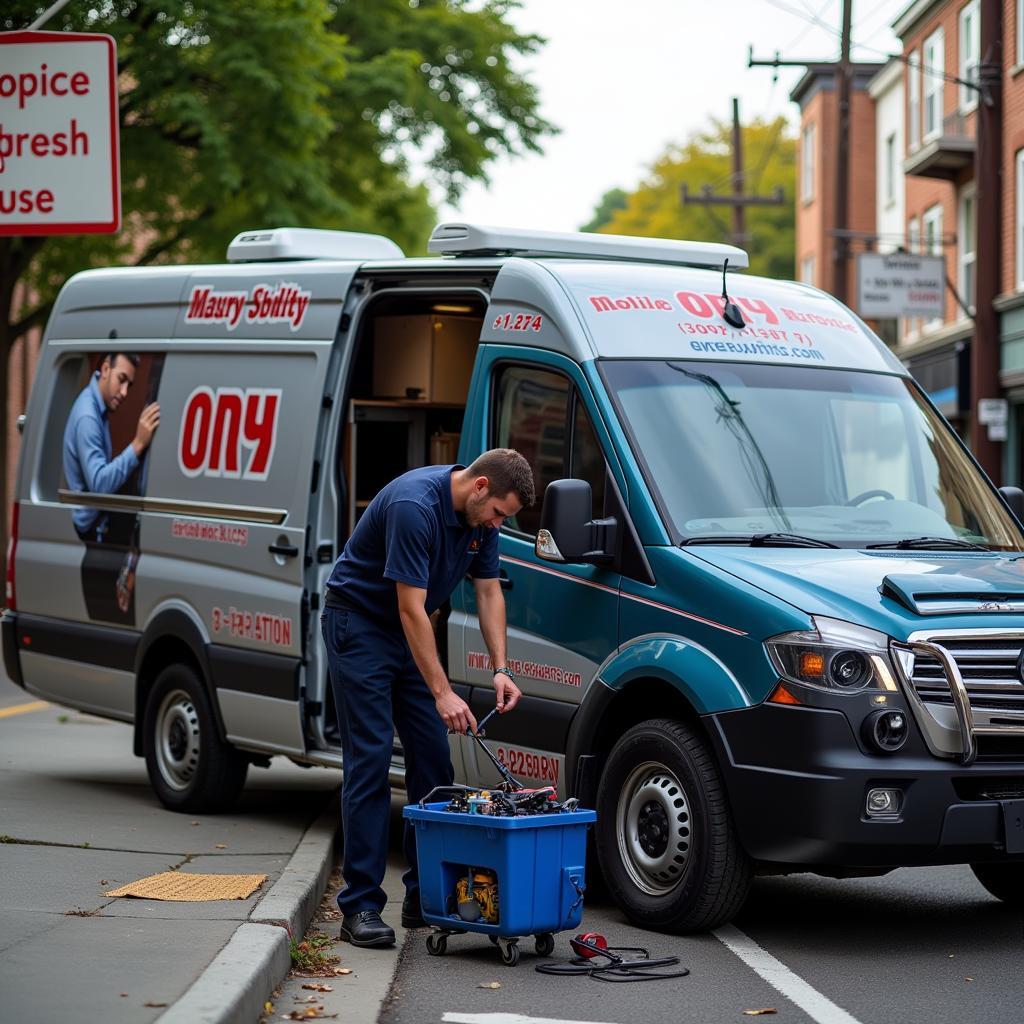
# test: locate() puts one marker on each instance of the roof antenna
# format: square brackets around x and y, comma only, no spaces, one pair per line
[730,311]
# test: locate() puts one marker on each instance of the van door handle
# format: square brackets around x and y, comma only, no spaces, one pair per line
[285,550]
[503,581]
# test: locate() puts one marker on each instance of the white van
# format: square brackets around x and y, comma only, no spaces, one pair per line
[774,619]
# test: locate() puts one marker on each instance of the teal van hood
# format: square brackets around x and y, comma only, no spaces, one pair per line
[896,592]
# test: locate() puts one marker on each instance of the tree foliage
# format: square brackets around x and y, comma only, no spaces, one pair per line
[249,113]
[656,209]
[611,202]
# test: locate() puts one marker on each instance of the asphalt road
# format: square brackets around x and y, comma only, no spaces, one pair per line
[78,817]
[917,945]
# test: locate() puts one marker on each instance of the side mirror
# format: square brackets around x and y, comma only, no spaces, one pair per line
[1014,497]
[567,533]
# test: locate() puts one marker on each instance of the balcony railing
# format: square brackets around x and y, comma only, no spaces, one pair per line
[945,155]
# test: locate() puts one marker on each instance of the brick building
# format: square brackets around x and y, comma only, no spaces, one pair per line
[923,111]
[816,175]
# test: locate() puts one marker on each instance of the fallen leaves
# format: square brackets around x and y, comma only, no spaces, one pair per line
[761,1012]
[319,986]
[156,1005]
[220,846]
[342,970]
[489,984]
[310,1013]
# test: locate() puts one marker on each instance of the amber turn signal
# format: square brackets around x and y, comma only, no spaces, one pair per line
[780,695]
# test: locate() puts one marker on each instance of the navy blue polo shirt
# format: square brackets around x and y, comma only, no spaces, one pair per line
[410,533]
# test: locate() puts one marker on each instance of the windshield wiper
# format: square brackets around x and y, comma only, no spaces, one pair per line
[923,543]
[762,540]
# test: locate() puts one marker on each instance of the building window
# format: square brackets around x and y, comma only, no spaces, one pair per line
[966,245]
[807,270]
[934,70]
[1020,31]
[970,45]
[931,222]
[914,235]
[807,163]
[914,99]
[1018,221]
[890,169]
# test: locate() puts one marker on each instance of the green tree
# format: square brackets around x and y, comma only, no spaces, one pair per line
[237,114]
[611,202]
[656,209]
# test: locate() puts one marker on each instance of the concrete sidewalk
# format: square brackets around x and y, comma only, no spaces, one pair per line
[78,818]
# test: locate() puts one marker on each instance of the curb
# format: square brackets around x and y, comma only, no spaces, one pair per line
[234,987]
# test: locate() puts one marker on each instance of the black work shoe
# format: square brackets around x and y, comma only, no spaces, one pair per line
[412,913]
[365,928]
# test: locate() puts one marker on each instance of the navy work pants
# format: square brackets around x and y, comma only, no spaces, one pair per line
[378,690]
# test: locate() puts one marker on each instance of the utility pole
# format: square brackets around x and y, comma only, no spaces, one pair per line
[739,200]
[842,75]
[840,252]
[988,260]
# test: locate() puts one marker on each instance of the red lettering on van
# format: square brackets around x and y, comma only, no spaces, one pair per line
[218,428]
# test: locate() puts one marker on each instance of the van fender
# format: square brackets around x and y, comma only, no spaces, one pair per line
[178,623]
[699,676]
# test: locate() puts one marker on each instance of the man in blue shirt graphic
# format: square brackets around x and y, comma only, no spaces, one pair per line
[413,545]
[89,462]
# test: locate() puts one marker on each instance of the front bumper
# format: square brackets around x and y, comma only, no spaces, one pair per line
[9,635]
[798,779]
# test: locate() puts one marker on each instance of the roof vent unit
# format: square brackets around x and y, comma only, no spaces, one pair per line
[476,240]
[310,244]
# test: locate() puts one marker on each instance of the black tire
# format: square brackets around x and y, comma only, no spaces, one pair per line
[437,944]
[191,768]
[1005,881]
[510,955]
[664,835]
[544,944]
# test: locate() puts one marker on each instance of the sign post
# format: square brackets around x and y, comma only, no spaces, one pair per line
[900,284]
[59,167]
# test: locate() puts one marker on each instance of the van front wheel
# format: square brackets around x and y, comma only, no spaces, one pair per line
[664,834]
[189,766]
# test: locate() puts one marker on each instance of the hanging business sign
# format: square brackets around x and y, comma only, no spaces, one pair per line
[59,172]
[900,284]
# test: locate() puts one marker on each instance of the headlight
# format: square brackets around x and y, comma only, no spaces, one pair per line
[836,656]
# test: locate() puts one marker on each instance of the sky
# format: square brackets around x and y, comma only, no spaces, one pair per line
[624,79]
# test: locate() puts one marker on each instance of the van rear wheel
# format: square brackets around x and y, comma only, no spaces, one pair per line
[189,766]
[1004,881]
[664,835]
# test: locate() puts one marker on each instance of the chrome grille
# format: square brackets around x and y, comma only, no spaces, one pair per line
[988,666]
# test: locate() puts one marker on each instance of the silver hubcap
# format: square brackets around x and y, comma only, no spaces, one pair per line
[652,823]
[177,739]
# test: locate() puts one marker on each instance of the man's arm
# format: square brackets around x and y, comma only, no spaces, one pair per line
[101,477]
[491,609]
[412,611]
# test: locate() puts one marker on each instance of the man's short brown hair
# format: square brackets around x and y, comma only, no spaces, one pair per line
[506,471]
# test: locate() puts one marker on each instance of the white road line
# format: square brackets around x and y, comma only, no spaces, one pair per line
[779,976]
[508,1018]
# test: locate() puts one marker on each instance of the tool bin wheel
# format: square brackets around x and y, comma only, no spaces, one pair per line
[544,944]
[509,951]
[494,939]
[437,943]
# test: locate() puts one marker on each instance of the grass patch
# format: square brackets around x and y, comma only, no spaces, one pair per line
[313,953]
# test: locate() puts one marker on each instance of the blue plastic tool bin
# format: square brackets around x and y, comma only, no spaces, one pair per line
[539,861]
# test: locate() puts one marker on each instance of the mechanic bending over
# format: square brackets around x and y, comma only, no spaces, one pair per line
[413,545]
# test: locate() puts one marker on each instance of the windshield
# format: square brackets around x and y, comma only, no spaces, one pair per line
[844,457]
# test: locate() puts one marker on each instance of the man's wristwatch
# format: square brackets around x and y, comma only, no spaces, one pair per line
[505,671]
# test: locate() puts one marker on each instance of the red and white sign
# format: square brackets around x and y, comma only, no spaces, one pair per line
[59,172]
[249,625]
[229,432]
[282,303]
